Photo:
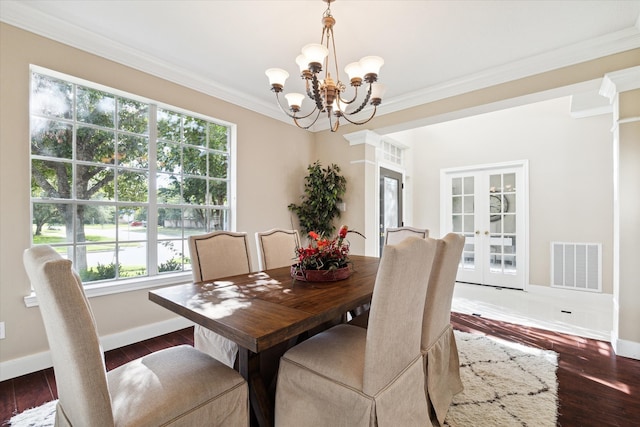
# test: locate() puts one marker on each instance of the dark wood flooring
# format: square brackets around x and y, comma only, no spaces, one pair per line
[596,387]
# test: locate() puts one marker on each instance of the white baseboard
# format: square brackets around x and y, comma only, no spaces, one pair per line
[625,348]
[36,362]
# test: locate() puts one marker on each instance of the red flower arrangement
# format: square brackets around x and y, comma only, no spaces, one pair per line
[323,253]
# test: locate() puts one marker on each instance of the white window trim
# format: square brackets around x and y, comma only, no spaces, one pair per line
[167,279]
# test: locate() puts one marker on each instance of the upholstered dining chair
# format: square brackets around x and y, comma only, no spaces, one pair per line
[277,248]
[438,343]
[215,255]
[177,386]
[352,376]
[394,235]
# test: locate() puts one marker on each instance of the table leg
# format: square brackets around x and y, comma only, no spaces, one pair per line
[261,404]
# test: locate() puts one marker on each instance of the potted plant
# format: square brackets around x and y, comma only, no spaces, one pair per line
[323,190]
[324,259]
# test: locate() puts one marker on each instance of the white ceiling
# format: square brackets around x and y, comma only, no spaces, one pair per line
[432,49]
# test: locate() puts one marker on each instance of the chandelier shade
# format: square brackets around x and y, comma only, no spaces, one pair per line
[327,92]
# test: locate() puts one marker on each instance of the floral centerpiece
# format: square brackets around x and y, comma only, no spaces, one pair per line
[324,259]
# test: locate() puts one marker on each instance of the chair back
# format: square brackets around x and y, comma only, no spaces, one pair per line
[219,254]
[78,361]
[397,234]
[437,308]
[277,248]
[397,305]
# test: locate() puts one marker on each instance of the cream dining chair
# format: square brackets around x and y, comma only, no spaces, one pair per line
[438,344]
[177,386]
[394,235]
[215,255]
[351,376]
[277,248]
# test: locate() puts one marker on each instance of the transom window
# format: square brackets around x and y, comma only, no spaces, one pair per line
[392,153]
[119,183]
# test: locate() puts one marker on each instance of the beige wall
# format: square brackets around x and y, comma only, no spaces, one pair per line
[272,159]
[570,173]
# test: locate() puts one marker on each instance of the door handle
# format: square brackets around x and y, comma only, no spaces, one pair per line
[486,233]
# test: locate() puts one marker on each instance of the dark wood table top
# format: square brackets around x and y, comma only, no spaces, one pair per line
[259,310]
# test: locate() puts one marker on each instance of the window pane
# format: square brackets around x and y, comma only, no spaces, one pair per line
[101,262]
[171,256]
[218,165]
[169,126]
[49,223]
[195,191]
[218,193]
[509,182]
[51,97]
[133,224]
[468,223]
[468,185]
[99,221]
[51,138]
[468,204]
[132,186]
[94,183]
[95,145]
[51,179]
[133,151]
[218,137]
[194,161]
[195,131]
[133,116]
[456,204]
[169,157]
[168,188]
[456,186]
[95,107]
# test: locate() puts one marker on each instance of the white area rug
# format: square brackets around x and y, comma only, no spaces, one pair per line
[505,384]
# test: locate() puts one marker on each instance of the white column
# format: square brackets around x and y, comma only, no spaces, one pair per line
[623,90]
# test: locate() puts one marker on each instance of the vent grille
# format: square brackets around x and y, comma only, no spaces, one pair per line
[576,266]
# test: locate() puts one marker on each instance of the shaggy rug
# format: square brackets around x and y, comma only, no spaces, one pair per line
[505,384]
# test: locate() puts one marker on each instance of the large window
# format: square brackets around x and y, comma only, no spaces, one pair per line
[118,183]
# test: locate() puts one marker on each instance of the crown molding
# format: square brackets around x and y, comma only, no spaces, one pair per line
[22,16]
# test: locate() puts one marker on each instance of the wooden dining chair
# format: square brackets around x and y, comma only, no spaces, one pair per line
[351,376]
[394,235]
[277,248]
[177,386]
[215,255]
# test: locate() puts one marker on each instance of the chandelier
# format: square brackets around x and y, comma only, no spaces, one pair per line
[328,95]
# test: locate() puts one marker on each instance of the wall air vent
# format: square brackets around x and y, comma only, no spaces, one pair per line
[576,266]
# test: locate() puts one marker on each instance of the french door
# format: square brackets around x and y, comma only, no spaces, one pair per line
[488,206]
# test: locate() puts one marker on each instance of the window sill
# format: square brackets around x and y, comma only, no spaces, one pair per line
[109,288]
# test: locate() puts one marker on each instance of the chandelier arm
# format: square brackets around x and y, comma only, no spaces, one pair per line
[316,92]
[293,116]
[354,122]
[295,120]
[364,103]
[355,96]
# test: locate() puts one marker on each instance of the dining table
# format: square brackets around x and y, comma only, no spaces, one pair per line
[267,309]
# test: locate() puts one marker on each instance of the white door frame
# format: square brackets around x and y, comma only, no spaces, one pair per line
[524,165]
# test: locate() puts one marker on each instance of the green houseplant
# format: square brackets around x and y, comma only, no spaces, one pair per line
[323,190]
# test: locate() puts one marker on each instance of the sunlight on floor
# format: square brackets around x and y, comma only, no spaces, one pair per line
[534,310]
